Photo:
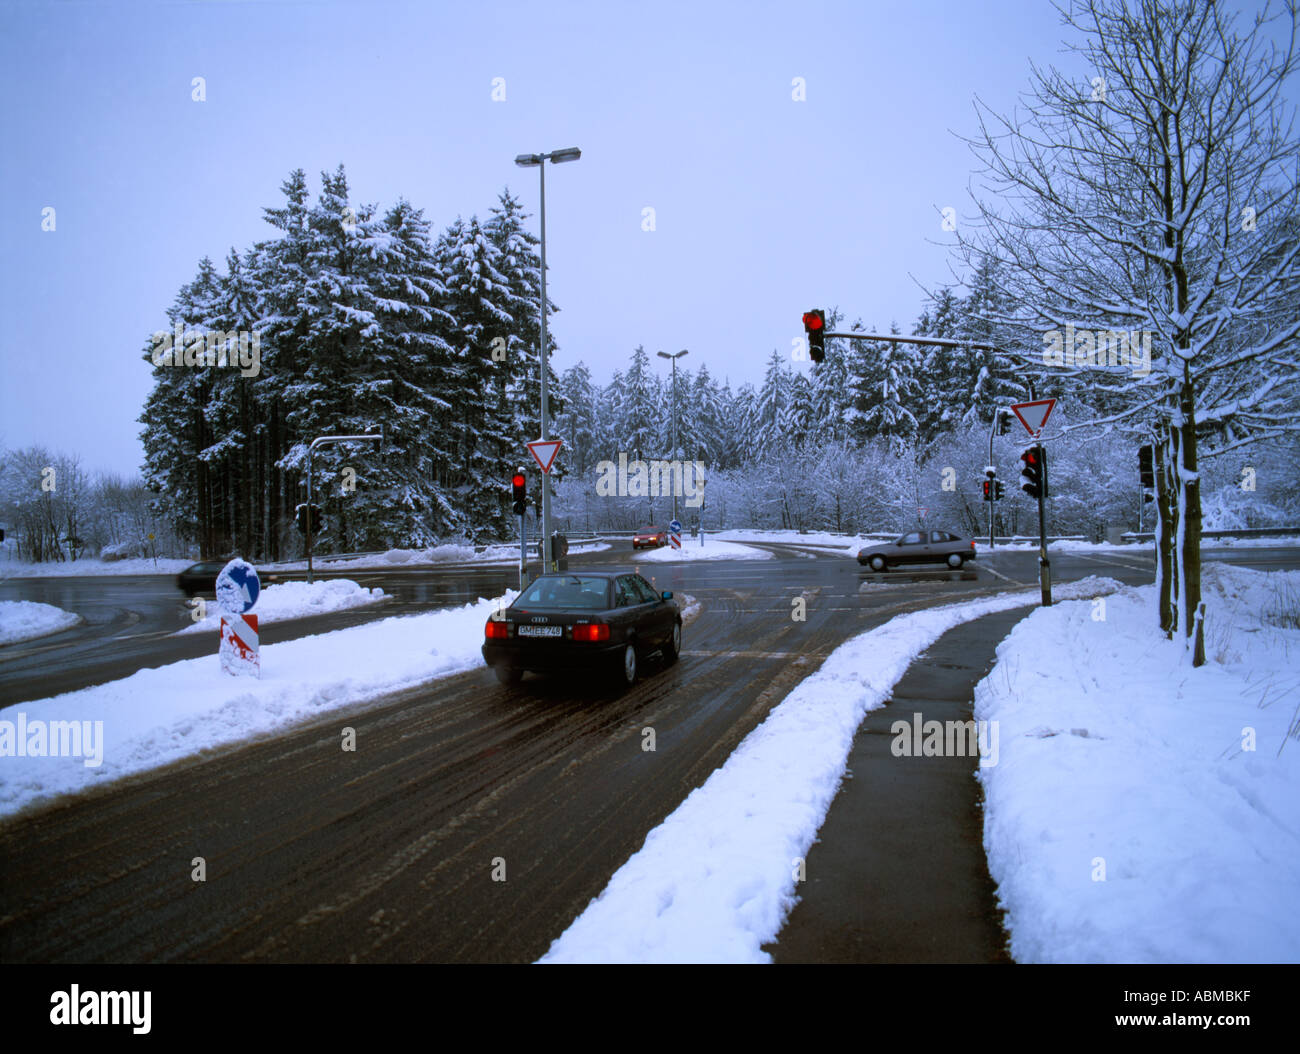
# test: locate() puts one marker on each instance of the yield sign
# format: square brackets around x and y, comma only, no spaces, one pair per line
[1033,415]
[544,451]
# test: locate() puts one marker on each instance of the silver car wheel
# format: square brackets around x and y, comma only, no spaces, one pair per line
[629,664]
[877,563]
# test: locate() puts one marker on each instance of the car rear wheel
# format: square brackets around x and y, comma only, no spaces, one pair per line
[508,674]
[878,563]
[955,561]
[674,646]
[626,675]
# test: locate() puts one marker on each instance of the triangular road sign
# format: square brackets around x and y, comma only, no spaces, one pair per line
[1033,415]
[544,451]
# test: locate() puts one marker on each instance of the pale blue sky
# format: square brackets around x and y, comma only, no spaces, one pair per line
[764,206]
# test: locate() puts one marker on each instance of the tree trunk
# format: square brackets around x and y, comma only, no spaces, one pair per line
[1189,551]
[1164,541]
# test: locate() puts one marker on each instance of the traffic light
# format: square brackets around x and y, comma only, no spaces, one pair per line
[301,517]
[1004,422]
[317,520]
[814,324]
[1146,469]
[998,490]
[988,490]
[519,484]
[1031,476]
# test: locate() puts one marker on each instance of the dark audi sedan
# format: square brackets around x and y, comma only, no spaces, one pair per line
[201,578]
[919,547]
[606,621]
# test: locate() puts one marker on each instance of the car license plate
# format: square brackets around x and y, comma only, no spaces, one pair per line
[541,631]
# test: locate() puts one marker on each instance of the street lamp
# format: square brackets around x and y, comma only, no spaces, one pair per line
[673,359]
[556,157]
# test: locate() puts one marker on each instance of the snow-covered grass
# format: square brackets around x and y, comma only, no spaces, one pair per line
[1142,810]
[12,568]
[158,715]
[286,600]
[438,554]
[27,620]
[712,549]
[714,881]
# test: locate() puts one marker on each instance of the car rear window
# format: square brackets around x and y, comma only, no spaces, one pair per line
[572,592]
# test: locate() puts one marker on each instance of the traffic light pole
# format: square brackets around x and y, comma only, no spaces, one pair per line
[993,490]
[523,551]
[1044,564]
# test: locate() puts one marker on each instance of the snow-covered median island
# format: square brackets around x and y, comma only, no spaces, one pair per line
[159,715]
[712,549]
[286,600]
[27,620]
[1143,811]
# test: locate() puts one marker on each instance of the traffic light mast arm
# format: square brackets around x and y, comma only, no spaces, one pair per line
[941,342]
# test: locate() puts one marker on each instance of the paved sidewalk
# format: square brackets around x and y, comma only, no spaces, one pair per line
[898,873]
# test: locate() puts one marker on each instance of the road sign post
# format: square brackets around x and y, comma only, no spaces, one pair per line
[237,589]
[1044,564]
[1033,415]
[544,452]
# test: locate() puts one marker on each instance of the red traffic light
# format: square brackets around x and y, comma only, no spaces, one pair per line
[518,480]
[813,321]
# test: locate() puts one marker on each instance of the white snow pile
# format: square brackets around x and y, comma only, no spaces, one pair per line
[288,600]
[1143,811]
[156,716]
[27,620]
[692,550]
[715,881]
[437,554]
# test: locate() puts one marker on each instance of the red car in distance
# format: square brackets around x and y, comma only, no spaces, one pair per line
[650,538]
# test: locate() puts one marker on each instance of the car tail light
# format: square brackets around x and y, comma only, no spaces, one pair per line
[496,630]
[592,631]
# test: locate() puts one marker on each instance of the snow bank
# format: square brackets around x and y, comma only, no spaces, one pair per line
[286,600]
[714,881]
[692,550]
[159,715]
[27,620]
[1143,811]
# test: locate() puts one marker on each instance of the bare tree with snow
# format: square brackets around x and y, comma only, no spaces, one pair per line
[1152,197]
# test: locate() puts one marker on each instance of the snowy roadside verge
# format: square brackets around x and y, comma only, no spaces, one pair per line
[288,600]
[1143,811]
[160,715]
[715,880]
[91,567]
[22,620]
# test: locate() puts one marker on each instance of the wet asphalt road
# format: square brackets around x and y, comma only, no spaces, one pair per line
[387,853]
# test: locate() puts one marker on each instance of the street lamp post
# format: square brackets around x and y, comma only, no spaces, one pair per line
[673,359]
[528,161]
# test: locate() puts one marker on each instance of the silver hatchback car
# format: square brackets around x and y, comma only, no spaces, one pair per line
[919,547]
